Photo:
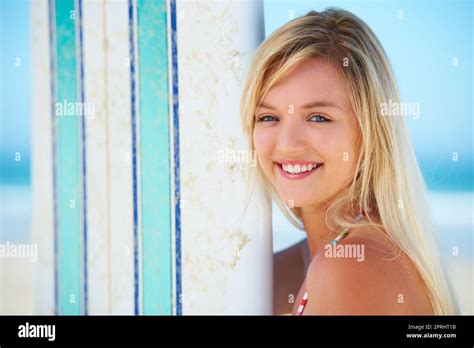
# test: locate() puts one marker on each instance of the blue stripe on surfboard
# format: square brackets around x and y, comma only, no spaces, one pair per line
[134,156]
[84,160]
[154,145]
[52,70]
[174,57]
[68,162]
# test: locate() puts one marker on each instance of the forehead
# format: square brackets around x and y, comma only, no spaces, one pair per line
[310,80]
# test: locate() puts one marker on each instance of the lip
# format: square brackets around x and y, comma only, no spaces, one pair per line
[293,162]
[299,175]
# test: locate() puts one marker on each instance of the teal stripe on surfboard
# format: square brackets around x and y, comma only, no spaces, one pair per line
[68,162]
[155,160]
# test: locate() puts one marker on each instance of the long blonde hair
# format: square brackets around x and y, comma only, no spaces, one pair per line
[387,184]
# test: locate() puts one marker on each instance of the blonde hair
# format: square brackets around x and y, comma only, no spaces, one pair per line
[388,186]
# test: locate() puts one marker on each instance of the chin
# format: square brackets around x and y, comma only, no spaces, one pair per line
[299,201]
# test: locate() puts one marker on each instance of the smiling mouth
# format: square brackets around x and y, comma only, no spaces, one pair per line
[298,171]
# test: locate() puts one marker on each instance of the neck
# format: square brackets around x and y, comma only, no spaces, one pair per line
[317,231]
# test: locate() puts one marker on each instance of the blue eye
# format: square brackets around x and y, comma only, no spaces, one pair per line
[266,118]
[319,118]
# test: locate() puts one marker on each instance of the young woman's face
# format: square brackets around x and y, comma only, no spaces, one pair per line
[306,134]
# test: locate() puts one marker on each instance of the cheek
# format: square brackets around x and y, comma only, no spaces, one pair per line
[337,148]
[327,143]
[264,142]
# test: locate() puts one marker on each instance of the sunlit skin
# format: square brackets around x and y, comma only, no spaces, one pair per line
[307,119]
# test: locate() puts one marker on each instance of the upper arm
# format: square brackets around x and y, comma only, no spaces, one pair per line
[288,274]
[372,285]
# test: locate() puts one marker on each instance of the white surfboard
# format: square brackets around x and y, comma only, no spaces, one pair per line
[145,215]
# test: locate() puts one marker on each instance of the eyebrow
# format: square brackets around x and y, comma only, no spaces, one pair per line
[320,103]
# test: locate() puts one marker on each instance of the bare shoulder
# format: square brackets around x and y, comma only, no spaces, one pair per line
[365,274]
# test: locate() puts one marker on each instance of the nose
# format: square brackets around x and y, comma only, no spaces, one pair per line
[291,139]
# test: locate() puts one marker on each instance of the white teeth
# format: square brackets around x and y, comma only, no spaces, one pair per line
[297,169]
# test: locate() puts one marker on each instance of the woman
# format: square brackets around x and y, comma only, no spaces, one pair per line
[342,170]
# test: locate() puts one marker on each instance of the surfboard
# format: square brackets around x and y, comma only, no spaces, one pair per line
[139,162]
